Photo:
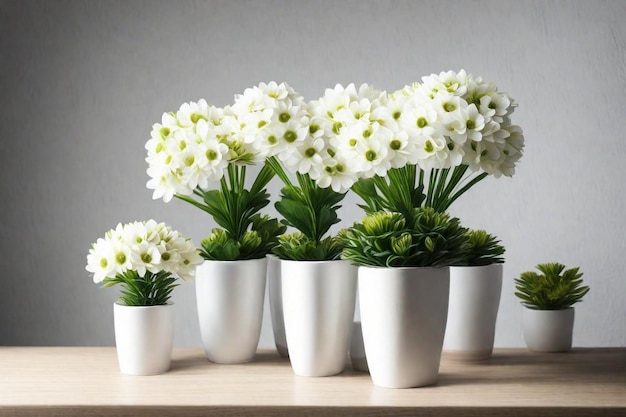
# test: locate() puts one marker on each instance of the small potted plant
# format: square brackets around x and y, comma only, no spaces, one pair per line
[547,299]
[145,259]
[201,154]
[475,287]
[404,281]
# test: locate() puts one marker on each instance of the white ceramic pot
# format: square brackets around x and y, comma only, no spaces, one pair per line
[472,311]
[318,305]
[548,330]
[357,349]
[230,297]
[276,305]
[143,338]
[403,316]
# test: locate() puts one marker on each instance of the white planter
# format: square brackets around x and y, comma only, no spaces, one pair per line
[276,305]
[548,330]
[230,297]
[143,338]
[472,311]
[318,303]
[403,316]
[357,349]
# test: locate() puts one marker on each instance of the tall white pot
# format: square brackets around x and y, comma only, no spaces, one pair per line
[143,338]
[230,297]
[276,305]
[403,317]
[548,330]
[473,310]
[318,304]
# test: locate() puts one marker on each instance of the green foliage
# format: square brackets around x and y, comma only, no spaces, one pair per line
[388,239]
[399,191]
[150,290]
[298,247]
[555,289]
[308,208]
[403,189]
[485,249]
[254,244]
[244,234]
[312,211]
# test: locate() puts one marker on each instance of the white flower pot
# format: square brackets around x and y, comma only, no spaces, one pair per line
[143,338]
[548,330]
[276,305]
[472,311]
[357,349]
[230,297]
[403,316]
[318,304]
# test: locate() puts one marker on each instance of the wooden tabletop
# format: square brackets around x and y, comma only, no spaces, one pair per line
[67,381]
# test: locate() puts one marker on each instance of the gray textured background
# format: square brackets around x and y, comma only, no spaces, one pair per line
[82,82]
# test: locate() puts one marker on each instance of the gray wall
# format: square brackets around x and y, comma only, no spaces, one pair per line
[82,82]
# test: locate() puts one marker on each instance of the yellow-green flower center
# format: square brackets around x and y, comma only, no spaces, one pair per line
[290,136]
[284,117]
[211,155]
[395,144]
[422,122]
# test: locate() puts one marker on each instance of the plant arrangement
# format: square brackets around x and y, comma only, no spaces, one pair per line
[388,239]
[145,258]
[436,140]
[556,288]
[202,146]
[484,249]
[323,171]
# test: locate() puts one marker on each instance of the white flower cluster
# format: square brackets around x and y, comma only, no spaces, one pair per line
[349,133]
[455,119]
[142,246]
[192,147]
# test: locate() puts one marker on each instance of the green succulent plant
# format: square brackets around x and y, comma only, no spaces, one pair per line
[554,289]
[298,247]
[388,239]
[254,244]
[485,249]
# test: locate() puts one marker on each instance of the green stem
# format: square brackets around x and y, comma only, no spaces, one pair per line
[459,193]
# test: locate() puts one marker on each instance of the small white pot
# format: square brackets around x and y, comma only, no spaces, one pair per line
[403,316]
[548,330]
[276,305]
[318,303]
[230,297]
[143,338]
[472,312]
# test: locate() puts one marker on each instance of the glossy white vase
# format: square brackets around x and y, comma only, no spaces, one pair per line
[276,305]
[548,330]
[318,305]
[143,338]
[403,316]
[472,311]
[230,297]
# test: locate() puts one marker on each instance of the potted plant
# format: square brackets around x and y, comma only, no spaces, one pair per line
[547,300]
[145,259]
[404,281]
[200,154]
[318,288]
[475,287]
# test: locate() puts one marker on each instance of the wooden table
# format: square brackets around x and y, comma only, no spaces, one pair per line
[68,381]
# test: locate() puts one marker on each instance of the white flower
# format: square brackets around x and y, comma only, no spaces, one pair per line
[142,247]
[101,260]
